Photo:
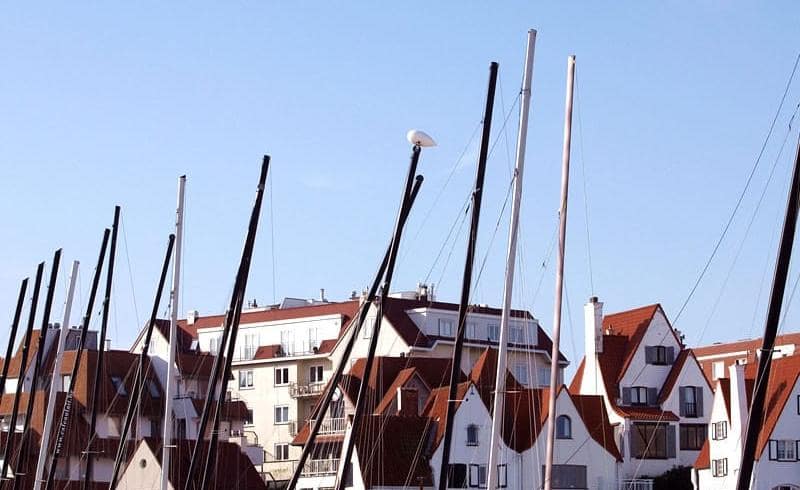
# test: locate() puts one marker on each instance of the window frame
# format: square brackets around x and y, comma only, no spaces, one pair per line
[446,325]
[246,379]
[316,374]
[473,435]
[563,467]
[249,418]
[651,449]
[502,476]
[280,449]
[481,475]
[519,369]
[559,420]
[700,433]
[719,467]
[275,412]
[493,328]
[715,430]
[284,378]
[639,390]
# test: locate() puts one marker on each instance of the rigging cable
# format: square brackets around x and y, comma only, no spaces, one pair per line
[741,195]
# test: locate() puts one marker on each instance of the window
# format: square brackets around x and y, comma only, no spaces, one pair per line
[638,395]
[477,475]
[719,467]
[119,386]
[246,379]
[281,414]
[315,374]
[248,346]
[152,388]
[521,373]
[213,346]
[472,330]
[457,475]
[248,420]
[652,441]
[494,332]
[502,476]
[568,476]
[659,355]
[692,436]
[155,428]
[544,376]
[719,430]
[691,401]
[798,404]
[782,450]
[66,378]
[563,427]
[313,340]
[472,435]
[718,369]
[281,376]
[516,334]
[281,451]
[446,327]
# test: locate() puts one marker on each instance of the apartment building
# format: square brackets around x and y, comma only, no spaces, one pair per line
[715,359]
[777,460]
[656,394]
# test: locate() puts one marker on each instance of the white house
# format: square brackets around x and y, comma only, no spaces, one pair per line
[777,465]
[654,389]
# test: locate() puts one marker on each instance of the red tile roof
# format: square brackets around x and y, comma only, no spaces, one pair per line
[782,379]
[592,410]
[730,352]
[345,308]
[703,461]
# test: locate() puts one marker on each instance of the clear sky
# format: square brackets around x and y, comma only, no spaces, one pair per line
[109,104]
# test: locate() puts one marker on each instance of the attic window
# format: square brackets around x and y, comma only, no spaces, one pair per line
[563,427]
[659,355]
[472,435]
[119,386]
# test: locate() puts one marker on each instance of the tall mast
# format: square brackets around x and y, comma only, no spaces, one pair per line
[230,330]
[477,194]
[171,385]
[87,478]
[355,330]
[770,329]
[361,400]
[55,381]
[511,257]
[139,379]
[37,366]
[12,340]
[562,239]
[66,413]
[8,450]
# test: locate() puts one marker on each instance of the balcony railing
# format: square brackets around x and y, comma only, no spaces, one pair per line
[321,467]
[328,426]
[306,390]
[636,484]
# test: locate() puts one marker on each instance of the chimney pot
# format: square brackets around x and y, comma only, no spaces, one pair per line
[192,316]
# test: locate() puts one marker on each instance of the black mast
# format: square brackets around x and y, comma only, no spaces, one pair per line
[228,336]
[139,379]
[37,366]
[87,478]
[356,328]
[770,329]
[463,306]
[8,450]
[361,404]
[66,414]
[13,337]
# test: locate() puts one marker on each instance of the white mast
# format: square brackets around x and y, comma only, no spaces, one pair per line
[55,382]
[562,238]
[171,384]
[502,361]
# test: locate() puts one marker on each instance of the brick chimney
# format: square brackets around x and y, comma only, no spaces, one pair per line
[407,401]
[593,345]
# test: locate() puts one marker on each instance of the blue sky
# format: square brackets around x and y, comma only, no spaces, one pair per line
[108,104]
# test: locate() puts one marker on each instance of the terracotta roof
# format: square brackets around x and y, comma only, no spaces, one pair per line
[395,450]
[782,379]
[703,461]
[235,471]
[195,365]
[436,409]
[344,308]
[231,409]
[646,413]
[592,410]
[672,377]
[268,351]
[403,377]
[16,360]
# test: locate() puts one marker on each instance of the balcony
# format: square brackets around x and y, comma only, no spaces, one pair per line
[636,484]
[306,390]
[328,427]
[321,467]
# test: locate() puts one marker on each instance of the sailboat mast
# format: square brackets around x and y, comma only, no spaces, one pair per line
[66,413]
[562,239]
[140,377]
[771,328]
[55,381]
[87,478]
[8,450]
[511,256]
[37,366]
[171,384]
[477,195]
[13,336]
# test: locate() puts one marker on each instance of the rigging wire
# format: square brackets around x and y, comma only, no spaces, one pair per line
[272,238]
[130,269]
[585,193]
[741,195]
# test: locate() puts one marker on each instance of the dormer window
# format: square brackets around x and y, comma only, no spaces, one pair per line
[659,355]
[119,386]
[446,327]
[563,427]
[638,395]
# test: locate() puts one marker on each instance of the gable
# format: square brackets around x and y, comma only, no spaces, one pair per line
[637,371]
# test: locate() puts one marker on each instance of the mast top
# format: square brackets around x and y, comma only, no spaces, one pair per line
[420,138]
